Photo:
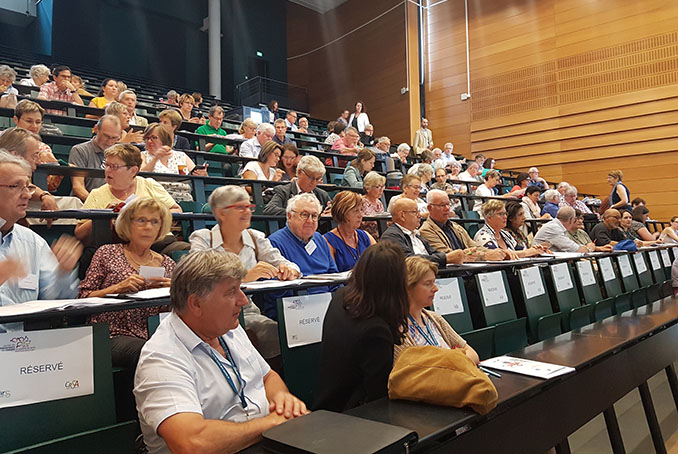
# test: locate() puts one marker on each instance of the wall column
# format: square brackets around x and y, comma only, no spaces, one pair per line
[214,47]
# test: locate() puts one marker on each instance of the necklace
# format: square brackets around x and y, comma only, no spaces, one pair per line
[349,248]
[138,263]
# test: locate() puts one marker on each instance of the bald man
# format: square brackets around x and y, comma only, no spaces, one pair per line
[608,231]
[403,231]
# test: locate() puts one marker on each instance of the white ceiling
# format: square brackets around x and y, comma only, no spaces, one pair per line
[320,6]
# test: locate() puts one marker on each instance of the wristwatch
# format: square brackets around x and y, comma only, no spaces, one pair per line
[591,248]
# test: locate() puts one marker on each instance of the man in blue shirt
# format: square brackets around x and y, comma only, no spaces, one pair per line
[299,242]
[29,269]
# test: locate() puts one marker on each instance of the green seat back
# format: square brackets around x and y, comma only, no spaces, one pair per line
[624,302]
[610,280]
[450,302]
[535,295]
[603,309]
[642,269]
[627,274]
[495,297]
[510,336]
[667,261]
[481,340]
[587,280]
[656,266]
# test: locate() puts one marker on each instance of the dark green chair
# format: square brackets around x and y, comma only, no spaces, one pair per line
[78,424]
[542,322]
[482,340]
[576,315]
[627,274]
[656,266]
[610,279]
[300,364]
[666,263]
[642,270]
[510,332]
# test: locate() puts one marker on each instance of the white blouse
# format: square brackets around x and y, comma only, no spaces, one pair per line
[254,166]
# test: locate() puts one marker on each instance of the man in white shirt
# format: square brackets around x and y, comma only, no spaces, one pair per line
[252,147]
[129,99]
[554,233]
[200,385]
[290,120]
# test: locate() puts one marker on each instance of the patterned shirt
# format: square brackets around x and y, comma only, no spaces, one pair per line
[485,237]
[577,205]
[51,92]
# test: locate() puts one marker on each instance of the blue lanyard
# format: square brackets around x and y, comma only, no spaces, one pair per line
[223,370]
[430,338]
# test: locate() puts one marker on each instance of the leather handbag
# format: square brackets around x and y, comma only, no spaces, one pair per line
[441,376]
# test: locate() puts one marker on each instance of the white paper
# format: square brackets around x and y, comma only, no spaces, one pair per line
[526,367]
[654,259]
[330,276]
[666,258]
[606,269]
[492,288]
[310,247]
[39,366]
[304,316]
[162,292]
[148,272]
[448,298]
[32,307]
[568,255]
[29,282]
[586,273]
[640,262]
[533,284]
[561,277]
[624,265]
[270,284]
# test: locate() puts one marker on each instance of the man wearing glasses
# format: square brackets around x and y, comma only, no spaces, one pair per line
[310,173]
[300,243]
[29,269]
[90,155]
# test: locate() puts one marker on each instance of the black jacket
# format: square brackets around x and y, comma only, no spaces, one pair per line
[282,193]
[396,235]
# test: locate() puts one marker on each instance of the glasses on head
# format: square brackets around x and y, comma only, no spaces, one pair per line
[305,215]
[115,166]
[318,179]
[242,208]
[18,188]
[143,221]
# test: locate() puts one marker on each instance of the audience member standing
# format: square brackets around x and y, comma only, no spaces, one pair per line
[620,197]
[423,138]
[359,119]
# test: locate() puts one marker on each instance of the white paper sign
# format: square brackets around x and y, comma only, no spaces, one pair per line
[532,282]
[448,298]
[148,272]
[492,288]
[586,273]
[606,268]
[654,259]
[39,366]
[625,265]
[304,316]
[666,258]
[561,277]
[640,262]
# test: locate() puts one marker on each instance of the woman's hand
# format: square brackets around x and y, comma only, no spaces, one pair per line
[200,172]
[132,284]
[261,270]
[158,282]
[163,152]
[278,174]
[287,273]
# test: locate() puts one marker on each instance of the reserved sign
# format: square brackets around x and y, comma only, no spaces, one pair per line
[448,298]
[561,277]
[304,316]
[625,266]
[586,273]
[532,282]
[492,288]
[39,366]
[606,269]
[640,262]
[654,259]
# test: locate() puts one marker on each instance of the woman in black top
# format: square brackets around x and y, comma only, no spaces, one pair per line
[363,322]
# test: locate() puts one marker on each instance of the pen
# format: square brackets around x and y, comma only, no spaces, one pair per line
[489,372]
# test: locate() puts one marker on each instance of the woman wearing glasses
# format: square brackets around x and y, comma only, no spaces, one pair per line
[116,268]
[233,211]
[288,162]
[123,162]
[373,184]
[493,235]
[347,242]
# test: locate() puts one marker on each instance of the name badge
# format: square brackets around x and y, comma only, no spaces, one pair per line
[30,282]
[310,247]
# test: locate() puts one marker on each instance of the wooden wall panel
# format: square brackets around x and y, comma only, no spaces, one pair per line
[369,64]
[575,87]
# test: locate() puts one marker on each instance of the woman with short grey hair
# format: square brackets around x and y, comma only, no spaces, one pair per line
[39,75]
[233,211]
[8,93]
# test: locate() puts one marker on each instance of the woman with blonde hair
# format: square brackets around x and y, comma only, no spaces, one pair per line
[374,185]
[425,327]
[347,242]
[186,105]
[620,197]
[116,268]
[493,235]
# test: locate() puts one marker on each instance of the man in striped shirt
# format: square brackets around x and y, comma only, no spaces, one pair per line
[60,90]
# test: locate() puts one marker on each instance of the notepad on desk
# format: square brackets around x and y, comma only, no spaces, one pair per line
[526,367]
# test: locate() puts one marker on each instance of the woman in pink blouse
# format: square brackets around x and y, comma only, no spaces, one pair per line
[373,184]
[115,268]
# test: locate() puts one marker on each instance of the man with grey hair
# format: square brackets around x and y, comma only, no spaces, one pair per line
[90,155]
[570,199]
[382,145]
[213,128]
[29,269]
[290,120]
[129,99]
[252,147]
[310,171]
[172,98]
[472,173]
[200,385]
[300,243]
[536,180]
[561,188]
[280,129]
[553,234]
[552,198]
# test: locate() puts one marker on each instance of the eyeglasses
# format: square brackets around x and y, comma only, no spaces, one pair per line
[19,188]
[143,221]
[152,138]
[115,166]
[242,208]
[305,215]
[501,214]
[442,205]
[318,179]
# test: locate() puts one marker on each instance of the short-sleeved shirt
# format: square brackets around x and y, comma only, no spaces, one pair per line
[89,156]
[485,237]
[51,92]
[100,102]
[554,232]
[207,130]
[250,148]
[177,374]
[602,236]
[253,166]
[146,187]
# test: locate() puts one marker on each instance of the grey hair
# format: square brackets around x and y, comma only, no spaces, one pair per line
[533,169]
[280,121]
[383,139]
[565,214]
[563,184]
[310,164]
[433,192]
[266,127]
[8,158]
[373,179]
[304,197]
[402,147]
[351,129]
[115,108]
[126,92]
[13,140]
[551,194]
[7,72]
[455,164]
[571,190]
[450,144]
[224,196]
[109,118]
[172,93]
[39,70]
[473,164]
[216,108]
[420,169]
[198,273]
